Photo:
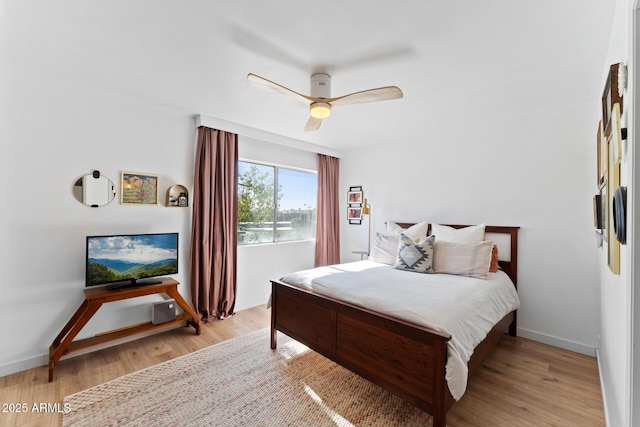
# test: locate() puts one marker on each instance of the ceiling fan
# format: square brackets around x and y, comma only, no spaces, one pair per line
[320,101]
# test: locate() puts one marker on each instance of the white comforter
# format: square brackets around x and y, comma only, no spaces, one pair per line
[464,307]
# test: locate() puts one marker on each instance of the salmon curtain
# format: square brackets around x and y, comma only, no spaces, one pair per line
[328,218]
[213,233]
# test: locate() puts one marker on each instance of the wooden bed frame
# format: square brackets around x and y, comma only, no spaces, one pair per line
[403,358]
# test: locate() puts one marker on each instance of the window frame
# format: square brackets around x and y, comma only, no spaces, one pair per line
[276,167]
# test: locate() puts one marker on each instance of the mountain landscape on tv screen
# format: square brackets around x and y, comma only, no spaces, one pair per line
[104,270]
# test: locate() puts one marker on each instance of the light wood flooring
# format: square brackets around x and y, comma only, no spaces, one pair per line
[522,383]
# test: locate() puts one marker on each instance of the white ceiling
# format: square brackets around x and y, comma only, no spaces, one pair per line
[450,57]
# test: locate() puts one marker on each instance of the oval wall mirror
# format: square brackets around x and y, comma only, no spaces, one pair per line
[94,190]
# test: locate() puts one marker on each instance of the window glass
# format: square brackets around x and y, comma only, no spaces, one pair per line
[275,204]
[255,203]
[297,205]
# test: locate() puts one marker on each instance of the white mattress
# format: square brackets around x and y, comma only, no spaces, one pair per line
[464,307]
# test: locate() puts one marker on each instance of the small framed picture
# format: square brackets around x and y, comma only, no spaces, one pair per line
[601,155]
[354,198]
[138,189]
[610,96]
[354,213]
[616,134]
[613,182]
[598,222]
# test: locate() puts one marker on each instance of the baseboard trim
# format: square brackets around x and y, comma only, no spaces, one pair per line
[43,359]
[557,342]
[24,364]
[253,303]
[602,390]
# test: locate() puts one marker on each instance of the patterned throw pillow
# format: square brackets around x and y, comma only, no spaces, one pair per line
[415,256]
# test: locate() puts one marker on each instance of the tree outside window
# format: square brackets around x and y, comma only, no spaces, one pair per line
[275,204]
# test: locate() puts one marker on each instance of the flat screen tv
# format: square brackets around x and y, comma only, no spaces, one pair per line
[124,260]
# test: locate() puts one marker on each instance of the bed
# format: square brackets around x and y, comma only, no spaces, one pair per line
[404,357]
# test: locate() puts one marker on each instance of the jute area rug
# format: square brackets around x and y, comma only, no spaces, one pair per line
[242,382]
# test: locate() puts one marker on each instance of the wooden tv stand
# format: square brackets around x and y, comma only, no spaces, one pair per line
[94,298]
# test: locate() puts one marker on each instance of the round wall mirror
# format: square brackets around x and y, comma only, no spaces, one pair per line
[94,190]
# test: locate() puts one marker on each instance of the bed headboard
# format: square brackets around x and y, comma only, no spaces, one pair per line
[505,237]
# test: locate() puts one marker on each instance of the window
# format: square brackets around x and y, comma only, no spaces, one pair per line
[275,204]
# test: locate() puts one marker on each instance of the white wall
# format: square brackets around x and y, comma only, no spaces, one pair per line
[56,130]
[614,353]
[504,165]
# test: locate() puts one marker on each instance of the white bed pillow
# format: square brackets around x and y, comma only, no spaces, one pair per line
[472,234]
[414,256]
[384,248]
[462,259]
[416,232]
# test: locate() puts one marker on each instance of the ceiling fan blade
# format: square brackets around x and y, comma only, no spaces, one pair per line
[262,83]
[370,95]
[312,124]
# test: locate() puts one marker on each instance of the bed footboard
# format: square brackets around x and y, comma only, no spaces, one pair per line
[403,358]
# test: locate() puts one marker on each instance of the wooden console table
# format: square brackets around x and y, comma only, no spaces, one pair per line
[94,298]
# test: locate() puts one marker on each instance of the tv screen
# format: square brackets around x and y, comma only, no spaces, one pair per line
[125,259]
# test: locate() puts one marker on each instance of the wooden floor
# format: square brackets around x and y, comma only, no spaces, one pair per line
[522,383]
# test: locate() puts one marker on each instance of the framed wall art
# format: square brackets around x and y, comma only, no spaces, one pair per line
[613,182]
[616,133]
[598,222]
[138,189]
[354,214]
[354,204]
[354,196]
[610,96]
[601,155]
[604,205]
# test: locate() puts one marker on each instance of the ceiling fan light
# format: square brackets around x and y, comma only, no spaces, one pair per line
[320,110]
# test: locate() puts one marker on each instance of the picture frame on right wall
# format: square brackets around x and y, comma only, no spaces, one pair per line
[613,182]
[610,97]
[601,155]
